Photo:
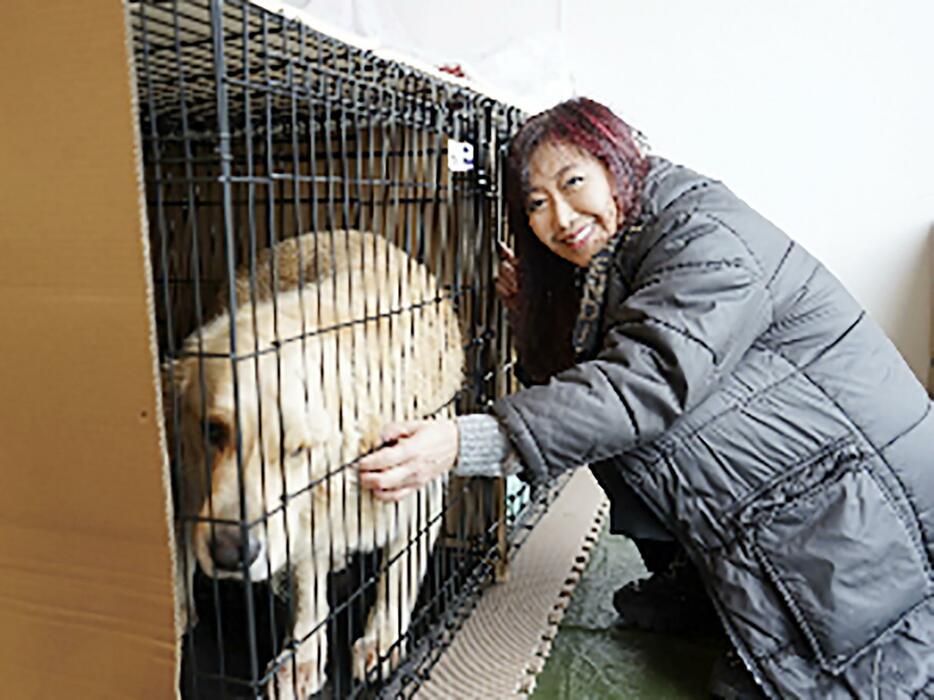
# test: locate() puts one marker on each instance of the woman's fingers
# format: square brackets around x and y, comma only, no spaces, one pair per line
[391,432]
[424,450]
[393,484]
[507,280]
[505,251]
[391,496]
[385,458]
[401,476]
[507,276]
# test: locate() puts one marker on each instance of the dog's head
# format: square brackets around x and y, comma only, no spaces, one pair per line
[255,440]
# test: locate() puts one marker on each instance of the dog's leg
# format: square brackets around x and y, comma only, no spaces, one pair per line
[399,583]
[300,671]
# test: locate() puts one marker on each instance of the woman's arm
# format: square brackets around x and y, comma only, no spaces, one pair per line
[419,451]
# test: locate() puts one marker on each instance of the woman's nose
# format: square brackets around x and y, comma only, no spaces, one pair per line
[563,213]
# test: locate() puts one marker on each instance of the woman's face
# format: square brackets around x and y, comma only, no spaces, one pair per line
[570,204]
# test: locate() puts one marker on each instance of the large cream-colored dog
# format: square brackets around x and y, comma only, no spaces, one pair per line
[316,370]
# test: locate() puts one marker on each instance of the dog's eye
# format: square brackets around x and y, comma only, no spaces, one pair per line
[217,434]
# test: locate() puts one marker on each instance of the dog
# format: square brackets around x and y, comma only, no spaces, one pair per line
[354,333]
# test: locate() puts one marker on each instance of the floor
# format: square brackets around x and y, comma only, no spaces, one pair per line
[593,658]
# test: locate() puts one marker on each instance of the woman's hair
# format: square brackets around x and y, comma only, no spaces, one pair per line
[548,298]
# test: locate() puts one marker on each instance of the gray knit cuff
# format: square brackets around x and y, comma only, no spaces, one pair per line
[485,448]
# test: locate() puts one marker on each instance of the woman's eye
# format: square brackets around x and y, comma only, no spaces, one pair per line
[573,181]
[534,204]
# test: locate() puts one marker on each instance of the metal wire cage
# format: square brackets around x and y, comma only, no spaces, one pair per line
[322,227]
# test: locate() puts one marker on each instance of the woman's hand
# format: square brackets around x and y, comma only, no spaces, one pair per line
[507,276]
[416,453]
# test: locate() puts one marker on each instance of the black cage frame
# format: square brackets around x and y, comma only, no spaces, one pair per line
[255,129]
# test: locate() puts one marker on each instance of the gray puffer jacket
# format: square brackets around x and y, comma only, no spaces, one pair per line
[771,426]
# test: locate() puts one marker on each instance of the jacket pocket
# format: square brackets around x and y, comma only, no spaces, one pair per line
[830,540]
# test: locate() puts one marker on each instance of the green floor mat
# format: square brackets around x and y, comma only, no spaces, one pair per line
[593,658]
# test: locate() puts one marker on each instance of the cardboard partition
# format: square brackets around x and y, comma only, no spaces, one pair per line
[86,607]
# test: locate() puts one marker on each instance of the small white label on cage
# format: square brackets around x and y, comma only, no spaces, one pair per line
[460,156]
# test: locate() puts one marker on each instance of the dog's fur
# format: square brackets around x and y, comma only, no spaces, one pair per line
[305,260]
[310,394]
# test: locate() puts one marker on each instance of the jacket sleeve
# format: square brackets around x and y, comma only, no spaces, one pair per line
[698,301]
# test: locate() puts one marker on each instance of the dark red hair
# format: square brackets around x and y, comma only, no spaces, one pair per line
[548,297]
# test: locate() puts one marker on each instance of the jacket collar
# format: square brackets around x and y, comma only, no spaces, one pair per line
[586,337]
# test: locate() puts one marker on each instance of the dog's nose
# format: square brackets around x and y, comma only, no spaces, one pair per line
[229,551]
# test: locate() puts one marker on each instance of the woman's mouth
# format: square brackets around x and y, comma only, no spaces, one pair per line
[579,237]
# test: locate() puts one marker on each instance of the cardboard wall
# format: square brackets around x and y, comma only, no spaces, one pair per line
[85,575]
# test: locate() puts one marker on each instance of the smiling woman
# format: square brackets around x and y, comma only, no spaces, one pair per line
[546,304]
[571,208]
[759,437]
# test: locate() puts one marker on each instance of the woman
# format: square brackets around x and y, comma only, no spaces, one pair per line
[730,395]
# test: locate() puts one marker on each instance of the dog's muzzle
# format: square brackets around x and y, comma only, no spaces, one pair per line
[230,552]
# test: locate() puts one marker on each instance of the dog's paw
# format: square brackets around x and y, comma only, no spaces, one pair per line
[295,678]
[367,654]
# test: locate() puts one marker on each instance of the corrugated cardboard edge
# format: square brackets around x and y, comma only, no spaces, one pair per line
[504,643]
[536,664]
[154,341]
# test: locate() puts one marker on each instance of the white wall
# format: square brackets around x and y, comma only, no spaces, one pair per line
[818,112]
